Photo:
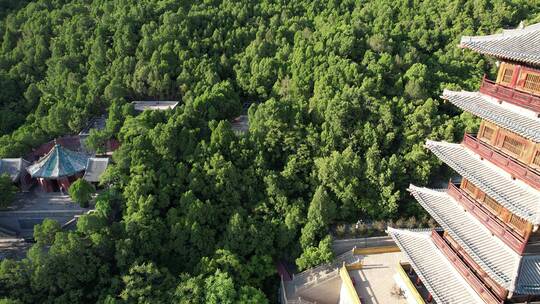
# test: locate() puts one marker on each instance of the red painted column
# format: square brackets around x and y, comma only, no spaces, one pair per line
[45,185]
[515,76]
[418,282]
[429,298]
[64,183]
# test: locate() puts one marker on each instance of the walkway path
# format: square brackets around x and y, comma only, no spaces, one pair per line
[341,246]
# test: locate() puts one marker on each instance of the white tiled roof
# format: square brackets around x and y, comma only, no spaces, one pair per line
[487,108]
[521,45]
[154,105]
[491,254]
[439,276]
[513,196]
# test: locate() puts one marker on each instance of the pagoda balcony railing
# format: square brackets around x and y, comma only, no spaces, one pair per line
[498,227]
[510,95]
[511,165]
[486,294]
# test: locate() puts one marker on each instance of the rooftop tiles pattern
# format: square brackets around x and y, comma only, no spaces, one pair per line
[58,162]
[443,282]
[516,198]
[487,108]
[522,44]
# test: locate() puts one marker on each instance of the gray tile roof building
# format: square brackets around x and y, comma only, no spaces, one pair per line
[522,44]
[13,167]
[436,272]
[528,281]
[95,168]
[513,196]
[501,264]
[487,108]
[154,105]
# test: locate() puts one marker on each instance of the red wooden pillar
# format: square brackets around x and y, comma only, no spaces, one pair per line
[515,76]
[418,282]
[45,185]
[429,298]
[64,183]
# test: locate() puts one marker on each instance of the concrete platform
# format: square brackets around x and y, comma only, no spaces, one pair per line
[375,280]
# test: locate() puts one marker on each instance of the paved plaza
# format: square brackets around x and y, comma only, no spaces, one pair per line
[32,208]
[374,282]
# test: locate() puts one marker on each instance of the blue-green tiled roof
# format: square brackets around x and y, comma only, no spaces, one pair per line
[58,162]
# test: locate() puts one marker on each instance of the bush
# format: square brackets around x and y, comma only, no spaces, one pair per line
[354,231]
[411,223]
[379,226]
[340,230]
[400,223]
[314,256]
[45,232]
[81,192]
[7,191]
[362,229]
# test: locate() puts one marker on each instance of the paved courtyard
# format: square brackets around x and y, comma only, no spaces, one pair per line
[35,200]
[32,208]
[375,281]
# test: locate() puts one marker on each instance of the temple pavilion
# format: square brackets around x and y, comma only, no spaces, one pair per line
[57,169]
[488,247]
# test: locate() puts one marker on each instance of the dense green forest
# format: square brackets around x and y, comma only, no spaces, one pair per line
[342,93]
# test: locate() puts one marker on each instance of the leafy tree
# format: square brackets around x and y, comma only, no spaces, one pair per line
[146,284]
[316,255]
[81,192]
[45,232]
[7,190]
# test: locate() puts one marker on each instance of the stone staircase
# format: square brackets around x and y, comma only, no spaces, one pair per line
[7,233]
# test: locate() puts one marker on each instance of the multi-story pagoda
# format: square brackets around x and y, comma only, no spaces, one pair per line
[488,250]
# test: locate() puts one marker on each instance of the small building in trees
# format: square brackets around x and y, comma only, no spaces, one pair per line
[488,248]
[97,124]
[58,168]
[94,169]
[240,124]
[154,105]
[16,169]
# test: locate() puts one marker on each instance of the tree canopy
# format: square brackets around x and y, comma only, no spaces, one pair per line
[7,190]
[81,192]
